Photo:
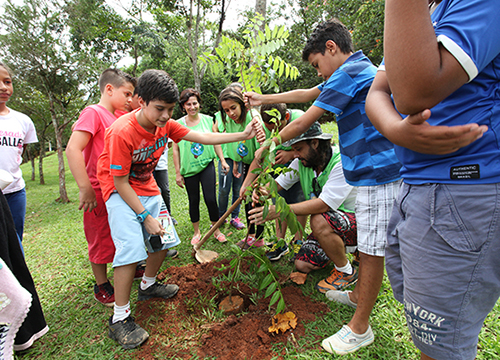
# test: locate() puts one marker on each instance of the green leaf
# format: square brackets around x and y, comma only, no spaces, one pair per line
[281,305]
[263,267]
[270,289]
[267,280]
[274,298]
[266,211]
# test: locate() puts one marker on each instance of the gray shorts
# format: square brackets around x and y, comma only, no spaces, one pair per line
[442,261]
[373,210]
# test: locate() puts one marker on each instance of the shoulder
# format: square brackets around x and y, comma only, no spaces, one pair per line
[19,116]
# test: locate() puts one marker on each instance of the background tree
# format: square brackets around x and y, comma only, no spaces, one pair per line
[37,47]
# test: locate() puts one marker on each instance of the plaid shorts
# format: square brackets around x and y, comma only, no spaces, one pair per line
[373,210]
[343,224]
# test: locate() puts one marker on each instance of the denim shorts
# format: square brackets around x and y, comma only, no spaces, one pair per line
[442,260]
[129,235]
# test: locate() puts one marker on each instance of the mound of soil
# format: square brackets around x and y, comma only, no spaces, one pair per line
[184,326]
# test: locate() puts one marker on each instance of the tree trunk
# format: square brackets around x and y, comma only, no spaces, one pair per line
[40,160]
[31,159]
[260,7]
[63,195]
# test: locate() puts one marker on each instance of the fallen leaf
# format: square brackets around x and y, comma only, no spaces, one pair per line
[283,322]
[298,277]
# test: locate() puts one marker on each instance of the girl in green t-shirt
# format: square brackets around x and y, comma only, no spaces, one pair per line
[235,116]
[194,164]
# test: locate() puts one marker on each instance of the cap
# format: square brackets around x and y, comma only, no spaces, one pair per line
[314,132]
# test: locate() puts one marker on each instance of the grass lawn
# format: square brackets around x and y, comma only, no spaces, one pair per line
[56,253]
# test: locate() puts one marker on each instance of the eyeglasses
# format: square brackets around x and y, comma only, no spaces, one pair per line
[316,187]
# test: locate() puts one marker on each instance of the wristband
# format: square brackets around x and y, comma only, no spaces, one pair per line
[142,216]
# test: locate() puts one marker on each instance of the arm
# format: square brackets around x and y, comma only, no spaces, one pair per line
[222,138]
[294,96]
[220,155]
[76,162]
[179,179]
[300,125]
[425,64]
[128,195]
[308,207]
[414,132]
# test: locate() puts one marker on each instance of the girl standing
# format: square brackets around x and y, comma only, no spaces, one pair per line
[236,116]
[194,164]
[16,131]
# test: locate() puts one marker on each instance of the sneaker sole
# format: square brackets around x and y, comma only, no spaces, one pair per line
[127,346]
[323,290]
[147,297]
[328,347]
[277,257]
[105,304]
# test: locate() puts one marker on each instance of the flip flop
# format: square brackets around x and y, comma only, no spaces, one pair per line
[195,240]
[221,238]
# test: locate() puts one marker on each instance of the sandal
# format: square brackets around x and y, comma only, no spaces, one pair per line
[221,237]
[195,240]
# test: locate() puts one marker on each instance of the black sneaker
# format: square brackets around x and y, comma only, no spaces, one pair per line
[127,333]
[158,290]
[277,252]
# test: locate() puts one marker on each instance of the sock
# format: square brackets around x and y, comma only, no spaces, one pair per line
[345,269]
[121,312]
[147,282]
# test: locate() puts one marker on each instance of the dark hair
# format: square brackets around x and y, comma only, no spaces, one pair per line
[157,85]
[116,78]
[232,93]
[324,149]
[281,107]
[329,30]
[186,94]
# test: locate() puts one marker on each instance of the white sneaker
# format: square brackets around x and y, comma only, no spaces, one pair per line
[341,297]
[345,341]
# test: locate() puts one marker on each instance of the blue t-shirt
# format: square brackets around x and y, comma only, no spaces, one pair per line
[470,31]
[368,158]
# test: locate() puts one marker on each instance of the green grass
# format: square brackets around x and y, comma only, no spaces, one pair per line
[56,253]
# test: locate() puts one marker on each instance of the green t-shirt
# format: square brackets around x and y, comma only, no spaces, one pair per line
[218,117]
[195,157]
[307,177]
[243,150]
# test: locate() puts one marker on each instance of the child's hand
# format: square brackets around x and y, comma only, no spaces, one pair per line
[236,172]
[424,138]
[179,179]
[283,157]
[257,215]
[261,135]
[252,98]
[250,130]
[153,226]
[225,167]
[88,201]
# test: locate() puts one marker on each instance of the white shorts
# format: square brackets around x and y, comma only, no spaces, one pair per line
[373,210]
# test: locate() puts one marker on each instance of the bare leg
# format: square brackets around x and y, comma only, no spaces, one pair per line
[153,262]
[124,277]
[371,273]
[196,228]
[100,273]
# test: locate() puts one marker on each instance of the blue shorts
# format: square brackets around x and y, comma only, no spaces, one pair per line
[442,261]
[129,235]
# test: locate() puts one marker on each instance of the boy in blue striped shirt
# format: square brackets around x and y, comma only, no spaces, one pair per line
[368,160]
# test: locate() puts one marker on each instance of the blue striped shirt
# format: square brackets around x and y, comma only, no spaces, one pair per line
[368,158]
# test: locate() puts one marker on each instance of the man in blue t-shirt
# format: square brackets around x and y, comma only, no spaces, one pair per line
[443,244]
[368,160]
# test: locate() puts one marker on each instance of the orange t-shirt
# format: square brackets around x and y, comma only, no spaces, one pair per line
[131,150]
